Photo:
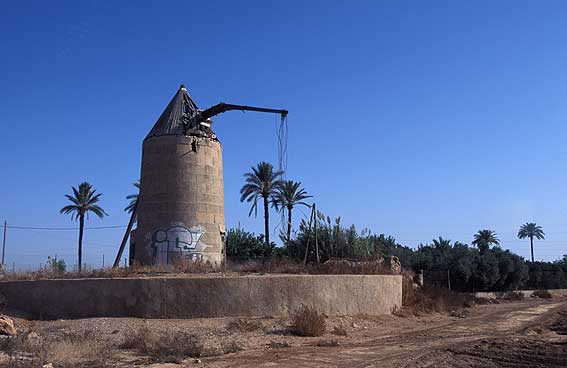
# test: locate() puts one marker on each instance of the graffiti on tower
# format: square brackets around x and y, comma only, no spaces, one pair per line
[176,241]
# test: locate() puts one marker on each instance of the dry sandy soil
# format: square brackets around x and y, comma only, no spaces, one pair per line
[528,333]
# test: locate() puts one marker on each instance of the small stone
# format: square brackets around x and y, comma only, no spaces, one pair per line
[48,365]
[33,336]
[354,325]
[7,326]
[197,361]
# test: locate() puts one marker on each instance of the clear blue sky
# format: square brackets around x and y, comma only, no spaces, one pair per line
[412,118]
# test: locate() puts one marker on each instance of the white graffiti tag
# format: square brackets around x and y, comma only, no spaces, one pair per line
[175,240]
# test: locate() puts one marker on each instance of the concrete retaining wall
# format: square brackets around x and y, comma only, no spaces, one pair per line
[195,297]
[526,293]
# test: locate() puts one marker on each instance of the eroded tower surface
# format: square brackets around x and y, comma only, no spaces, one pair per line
[181,201]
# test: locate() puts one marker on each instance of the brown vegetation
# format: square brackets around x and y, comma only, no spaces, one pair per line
[308,322]
[177,267]
[513,295]
[544,294]
[244,325]
[133,342]
[339,331]
[278,344]
[559,326]
[32,350]
[408,289]
[332,267]
[432,300]
[163,346]
[186,266]
[327,343]
[230,347]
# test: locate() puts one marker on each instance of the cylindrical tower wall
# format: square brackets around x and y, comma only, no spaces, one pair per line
[181,202]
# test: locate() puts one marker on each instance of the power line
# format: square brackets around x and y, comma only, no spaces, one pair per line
[64,228]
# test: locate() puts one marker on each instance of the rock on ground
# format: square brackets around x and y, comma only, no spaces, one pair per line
[7,326]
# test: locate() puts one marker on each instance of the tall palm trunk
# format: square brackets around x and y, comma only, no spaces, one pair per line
[81,225]
[289,224]
[266,220]
[532,246]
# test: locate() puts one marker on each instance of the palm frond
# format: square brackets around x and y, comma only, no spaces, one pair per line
[531,230]
[133,198]
[83,201]
[262,182]
[97,210]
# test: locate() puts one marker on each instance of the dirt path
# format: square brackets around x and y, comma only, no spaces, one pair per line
[510,334]
[502,335]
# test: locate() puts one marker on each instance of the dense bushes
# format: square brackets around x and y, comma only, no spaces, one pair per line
[547,275]
[336,241]
[242,245]
[468,269]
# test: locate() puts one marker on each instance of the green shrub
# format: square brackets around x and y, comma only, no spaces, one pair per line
[56,265]
[243,245]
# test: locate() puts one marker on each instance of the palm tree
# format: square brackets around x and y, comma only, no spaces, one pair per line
[441,243]
[483,239]
[531,230]
[290,194]
[262,182]
[84,200]
[133,200]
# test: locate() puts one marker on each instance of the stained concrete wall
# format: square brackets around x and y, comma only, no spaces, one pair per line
[192,297]
[525,293]
[181,203]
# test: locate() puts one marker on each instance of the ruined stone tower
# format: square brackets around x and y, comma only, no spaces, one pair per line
[181,201]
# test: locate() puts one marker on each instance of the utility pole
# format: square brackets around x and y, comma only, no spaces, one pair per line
[308,234]
[315,233]
[4,244]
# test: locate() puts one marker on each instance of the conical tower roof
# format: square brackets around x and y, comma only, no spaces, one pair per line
[176,115]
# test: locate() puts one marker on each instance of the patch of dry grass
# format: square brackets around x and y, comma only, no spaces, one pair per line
[513,295]
[244,325]
[327,343]
[171,346]
[332,267]
[339,331]
[432,300]
[544,294]
[163,346]
[228,347]
[279,345]
[188,266]
[178,266]
[32,350]
[408,290]
[308,322]
[560,323]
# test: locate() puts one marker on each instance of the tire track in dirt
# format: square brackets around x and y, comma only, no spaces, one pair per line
[419,347]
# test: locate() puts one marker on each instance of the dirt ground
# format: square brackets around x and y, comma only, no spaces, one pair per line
[528,333]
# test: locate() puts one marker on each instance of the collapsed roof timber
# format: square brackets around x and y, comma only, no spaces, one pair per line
[183,117]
